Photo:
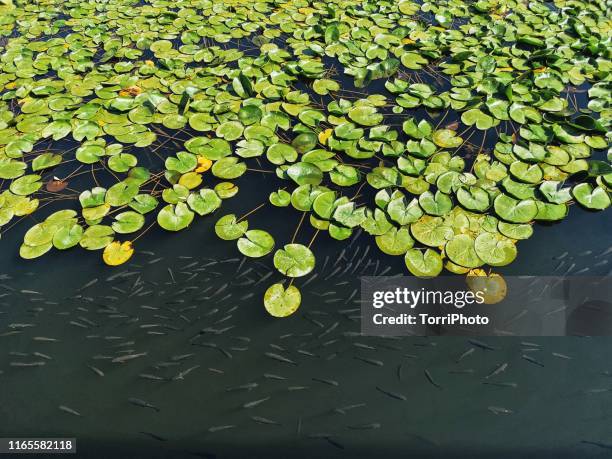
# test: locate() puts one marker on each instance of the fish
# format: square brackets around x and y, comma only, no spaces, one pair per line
[394,395]
[501,384]
[500,369]
[344,409]
[125,358]
[69,410]
[255,403]
[88,284]
[470,351]
[532,360]
[431,380]
[326,381]
[333,442]
[499,410]
[154,436]
[219,428]
[273,376]
[482,345]
[279,358]
[151,377]
[561,356]
[143,404]
[184,373]
[371,426]
[247,386]
[377,363]
[96,370]
[262,420]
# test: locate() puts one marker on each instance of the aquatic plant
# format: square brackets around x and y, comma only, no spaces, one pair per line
[97,89]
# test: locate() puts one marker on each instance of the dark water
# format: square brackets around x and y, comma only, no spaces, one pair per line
[199,307]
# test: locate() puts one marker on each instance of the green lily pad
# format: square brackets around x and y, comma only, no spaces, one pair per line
[431,231]
[495,249]
[228,168]
[280,198]
[446,138]
[396,241]
[294,260]
[592,198]
[280,302]
[128,222]
[204,202]
[97,237]
[46,161]
[304,173]
[515,211]
[426,263]
[365,115]
[229,228]
[460,249]
[175,217]
[256,243]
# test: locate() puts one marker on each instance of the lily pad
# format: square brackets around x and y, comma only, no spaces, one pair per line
[294,260]
[281,302]
[256,243]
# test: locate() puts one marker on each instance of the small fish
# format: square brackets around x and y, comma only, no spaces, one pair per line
[326,381]
[96,370]
[500,384]
[431,380]
[154,436]
[532,360]
[374,425]
[142,404]
[254,403]
[482,345]
[394,395]
[561,356]
[184,373]
[377,363]
[219,428]
[261,420]
[344,409]
[151,377]
[69,410]
[499,410]
[279,358]
[248,386]
[500,369]
[125,358]
[272,376]
[88,284]
[470,351]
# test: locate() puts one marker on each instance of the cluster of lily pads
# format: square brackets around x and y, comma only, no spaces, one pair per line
[364,110]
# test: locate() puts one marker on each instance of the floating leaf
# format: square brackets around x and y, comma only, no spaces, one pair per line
[396,241]
[423,264]
[280,302]
[228,228]
[117,253]
[460,249]
[294,260]
[592,198]
[175,217]
[256,243]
